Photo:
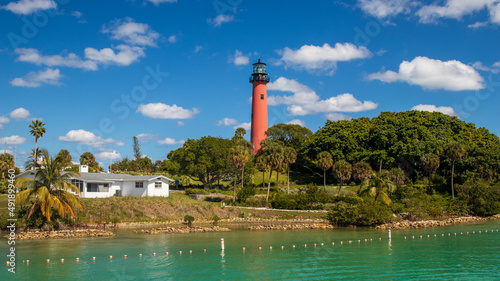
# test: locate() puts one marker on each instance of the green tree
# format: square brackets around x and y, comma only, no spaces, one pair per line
[262,166]
[397,176]
[87,158]
[50,189]
[380,185]
[274,155]
[37,131]
[431,164]
[361,171]
[290,158]
[6,163]
[137,149]
[204,160]
[454,151]
[65,157]
[324,161]
[239,156]
[342,171]
[290,135]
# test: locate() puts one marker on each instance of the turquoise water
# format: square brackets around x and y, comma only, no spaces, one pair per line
[461,257]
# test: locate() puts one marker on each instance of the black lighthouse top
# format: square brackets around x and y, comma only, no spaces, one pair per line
[259,73]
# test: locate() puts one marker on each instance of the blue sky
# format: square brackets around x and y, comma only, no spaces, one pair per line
[100,72]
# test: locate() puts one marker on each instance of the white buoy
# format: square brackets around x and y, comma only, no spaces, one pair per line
[389,234]
[222,243]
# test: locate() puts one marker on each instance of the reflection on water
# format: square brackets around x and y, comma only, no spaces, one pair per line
[371,255]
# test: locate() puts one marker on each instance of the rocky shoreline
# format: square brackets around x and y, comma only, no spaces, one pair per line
[291,226]
[182,230]
[62,234]
[432,223]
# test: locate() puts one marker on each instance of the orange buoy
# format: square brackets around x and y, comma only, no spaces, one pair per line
[190,251]
[48,260]
[110,257]
[282,247]
[140,255]
[154,254]
[62,260]
[93,258]
[166,253]
[125,256]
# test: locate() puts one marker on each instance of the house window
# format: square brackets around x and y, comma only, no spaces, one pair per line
[97,187]
[158,184]
[262,97]
[78,183]
[139,184]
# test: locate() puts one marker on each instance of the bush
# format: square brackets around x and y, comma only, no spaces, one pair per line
[4,186]
[289,201]
[482,198]
[254,201]
[189,219]
[246,192]
[196,191]
[366,213]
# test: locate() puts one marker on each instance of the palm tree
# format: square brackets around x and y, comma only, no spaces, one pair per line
[6,163]
[273,154]
[325,162]
[37,130]
[238,156]
[290,158]
[262,166]
[65,157]
[455,151]
[431,164]
[379,183]
[342,171]
[397,176]
[361,171]
[50,188]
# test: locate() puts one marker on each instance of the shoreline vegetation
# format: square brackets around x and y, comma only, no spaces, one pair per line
[397,170]
[250,224]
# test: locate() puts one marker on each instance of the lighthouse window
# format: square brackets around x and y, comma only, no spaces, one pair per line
[261,97]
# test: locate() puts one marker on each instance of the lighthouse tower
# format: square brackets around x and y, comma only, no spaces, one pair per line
[259,79]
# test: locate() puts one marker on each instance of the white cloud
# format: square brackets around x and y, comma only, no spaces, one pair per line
[197,48]
[170,141]
[132,32]
[20,114]
[172,39]
[144,138]
[385,8]
[89,138]
[71,60]
[456,9]
[180,123]
[36,79]
[220,19]
[324,58]
[158,2]
[3,120]
[239,59]
[495,13]
[305,101]
[478,24]
[247,126]
[126,55]
[77,14]
[433,74]
[297,122]
[106,155]
[13,140]
[432,108]
[227,122]
[335,116]
[495,68]
[26,7]
[165,111]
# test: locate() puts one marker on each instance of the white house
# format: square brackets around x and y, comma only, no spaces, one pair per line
[102,185]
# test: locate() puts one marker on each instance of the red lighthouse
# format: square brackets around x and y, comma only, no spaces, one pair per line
[259,79]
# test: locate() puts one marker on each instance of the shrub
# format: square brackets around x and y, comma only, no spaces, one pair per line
[246,192]
[482,198]
[254,201]
[189,219]
[366,213]
[289,201]
[196,191]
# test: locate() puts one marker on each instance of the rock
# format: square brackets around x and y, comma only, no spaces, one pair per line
[61,234]
[181,230]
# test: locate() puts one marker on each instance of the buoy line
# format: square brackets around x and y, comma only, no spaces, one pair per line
[293,246]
